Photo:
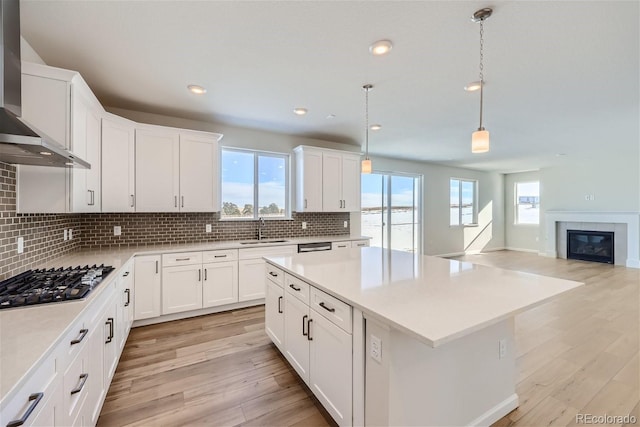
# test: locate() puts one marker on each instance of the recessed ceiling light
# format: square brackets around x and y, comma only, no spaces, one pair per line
[198,90]
[45,153]
[375,127]
[381,47]
[331,116]
[561,154]
[300,111]
[70,164]
[473,86]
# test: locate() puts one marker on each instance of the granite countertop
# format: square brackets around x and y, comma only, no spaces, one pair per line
[29,334]
[433,299]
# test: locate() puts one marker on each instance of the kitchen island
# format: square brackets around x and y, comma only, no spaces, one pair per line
[431,340]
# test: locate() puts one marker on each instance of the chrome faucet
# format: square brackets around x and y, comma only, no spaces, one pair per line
[260,225]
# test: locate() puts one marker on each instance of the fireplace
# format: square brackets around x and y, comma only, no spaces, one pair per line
[590,245]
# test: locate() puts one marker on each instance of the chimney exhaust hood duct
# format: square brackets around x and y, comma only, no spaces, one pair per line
[21,143]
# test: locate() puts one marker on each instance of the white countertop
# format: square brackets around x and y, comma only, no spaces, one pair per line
[29,334]
[433,299]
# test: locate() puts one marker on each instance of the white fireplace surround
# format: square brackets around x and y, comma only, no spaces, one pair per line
[631,219]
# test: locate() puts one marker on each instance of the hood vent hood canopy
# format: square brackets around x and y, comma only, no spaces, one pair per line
[21,143]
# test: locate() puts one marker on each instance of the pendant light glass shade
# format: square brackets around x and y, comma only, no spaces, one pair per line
[480,141]
[366,166]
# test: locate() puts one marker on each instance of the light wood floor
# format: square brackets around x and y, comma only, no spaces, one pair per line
[576,354]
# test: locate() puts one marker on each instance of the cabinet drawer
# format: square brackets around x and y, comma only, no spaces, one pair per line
[183,258]
[74,341]
[340,245]
[33,394]
[219,256]
[332,308]
[274,274]
[297,288]
[75,386]
[359,243]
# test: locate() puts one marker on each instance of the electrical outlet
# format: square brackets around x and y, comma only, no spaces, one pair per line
[117,230]
[304,225]
[376,348]
[66,235]
[70,234]
[207,228]
[502,348]
[20,245]
[345,224]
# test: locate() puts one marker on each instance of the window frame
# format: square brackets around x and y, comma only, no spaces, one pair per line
[474,218]
[256,193]
[516,216]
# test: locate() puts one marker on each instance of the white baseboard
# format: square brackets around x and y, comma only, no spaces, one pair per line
[534,251]
[497,412]
[195,313]
[449,255]
[633,263]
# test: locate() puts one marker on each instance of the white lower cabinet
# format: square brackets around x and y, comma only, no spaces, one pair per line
[330,367]
[220,284]
[317,341]
[251,282]
[274,314]
[125,304]
[251,273]
[296,336]
[181,288]
[147,287]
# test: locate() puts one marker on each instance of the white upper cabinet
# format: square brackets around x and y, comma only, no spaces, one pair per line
[157,169]
[59,103]
[327,180]
[175,170]
[308,180]
[198,172]
[118,164]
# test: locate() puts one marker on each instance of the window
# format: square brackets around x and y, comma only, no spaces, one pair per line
[254,184]
[462,202]
[527,202]
[391,210]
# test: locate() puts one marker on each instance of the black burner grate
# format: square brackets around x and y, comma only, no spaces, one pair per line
[53,285]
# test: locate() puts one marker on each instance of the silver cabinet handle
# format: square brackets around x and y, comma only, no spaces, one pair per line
[280,305]
[83,380]
[133,201]
[199,275]
[183,259]
[219,256]
[175,201]
[205,274]
[128,292]
[182,197]
[92,199]
[344,204]
[305,203]
[35,398]
[156,267]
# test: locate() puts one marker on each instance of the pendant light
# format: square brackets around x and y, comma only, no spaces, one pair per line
[480,138]
[366,163]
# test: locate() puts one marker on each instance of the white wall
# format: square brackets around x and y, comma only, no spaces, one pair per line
[439,237]
[28,54]
[523,237]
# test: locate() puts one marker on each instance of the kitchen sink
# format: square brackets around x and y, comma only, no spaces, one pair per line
[258,242]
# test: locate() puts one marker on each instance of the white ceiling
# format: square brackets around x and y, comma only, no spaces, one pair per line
[561,77]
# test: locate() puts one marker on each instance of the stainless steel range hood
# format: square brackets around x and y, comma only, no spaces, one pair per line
[21,143]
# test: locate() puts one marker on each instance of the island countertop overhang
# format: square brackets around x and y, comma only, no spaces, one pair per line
[433,299]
